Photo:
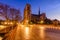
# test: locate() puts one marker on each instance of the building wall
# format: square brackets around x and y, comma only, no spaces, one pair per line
[27,14]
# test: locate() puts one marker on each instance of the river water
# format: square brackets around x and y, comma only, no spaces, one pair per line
[36,33]
[33,33]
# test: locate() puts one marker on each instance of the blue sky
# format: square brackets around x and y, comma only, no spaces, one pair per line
[50,7]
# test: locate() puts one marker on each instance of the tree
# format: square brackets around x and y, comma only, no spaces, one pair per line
[48,21]
[15,14]
[9,13]
[4,10]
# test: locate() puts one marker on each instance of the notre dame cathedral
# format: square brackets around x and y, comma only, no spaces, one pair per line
[32,18]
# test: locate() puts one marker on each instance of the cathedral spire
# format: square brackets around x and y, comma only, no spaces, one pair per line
[28,1]
[39,11]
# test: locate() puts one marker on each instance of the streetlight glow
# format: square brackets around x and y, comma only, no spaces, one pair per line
[27,32]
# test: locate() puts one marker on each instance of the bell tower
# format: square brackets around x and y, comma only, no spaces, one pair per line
[27,14]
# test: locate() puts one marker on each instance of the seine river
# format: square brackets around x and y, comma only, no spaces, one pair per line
[37,33]
[34,33]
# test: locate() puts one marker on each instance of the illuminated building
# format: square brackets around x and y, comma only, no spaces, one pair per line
[27,14]
[42,17]
[32,18]
[38,18]
[35,18]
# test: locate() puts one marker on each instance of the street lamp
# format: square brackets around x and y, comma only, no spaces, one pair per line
[41,21]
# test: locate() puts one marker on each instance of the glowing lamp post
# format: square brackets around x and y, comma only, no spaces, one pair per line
[41,21]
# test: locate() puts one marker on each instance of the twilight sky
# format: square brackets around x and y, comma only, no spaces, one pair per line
[50,7]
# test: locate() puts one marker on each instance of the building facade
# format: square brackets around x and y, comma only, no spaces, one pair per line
[27,14]
[30,18]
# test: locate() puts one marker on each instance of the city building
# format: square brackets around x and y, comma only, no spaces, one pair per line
[38,18]
[42,18]
[27,14]
[33,18]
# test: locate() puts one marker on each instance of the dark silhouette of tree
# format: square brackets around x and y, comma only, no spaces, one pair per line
[4,10]
[15,14]
[9,13]
[48,21]
[55,22]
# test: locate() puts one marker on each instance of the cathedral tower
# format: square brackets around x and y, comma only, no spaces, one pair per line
[27,14]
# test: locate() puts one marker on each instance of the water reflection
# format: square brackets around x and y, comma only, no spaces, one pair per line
[1,38]
[32,33]
[42,32]
[26,32]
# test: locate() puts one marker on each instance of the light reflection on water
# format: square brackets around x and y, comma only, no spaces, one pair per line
[31,33]
[42,33]
[26,32]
